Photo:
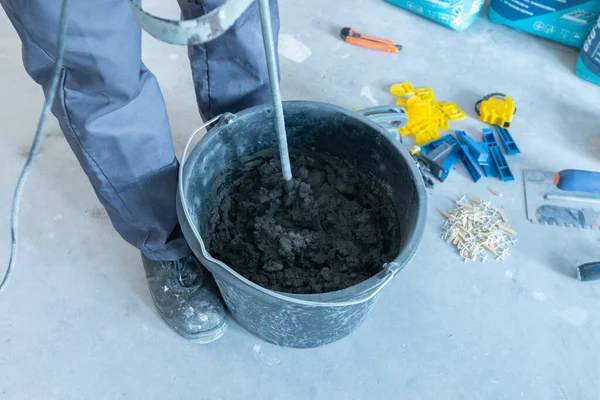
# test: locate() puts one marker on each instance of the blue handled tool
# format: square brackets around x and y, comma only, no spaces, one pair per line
[563,213]
[576,180]
[589,271]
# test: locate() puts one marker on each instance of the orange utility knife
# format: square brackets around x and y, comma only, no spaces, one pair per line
[351,36]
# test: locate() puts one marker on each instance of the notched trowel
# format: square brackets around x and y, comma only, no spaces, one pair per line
[568,198]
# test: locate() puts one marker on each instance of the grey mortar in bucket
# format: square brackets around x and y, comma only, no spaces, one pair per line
[302,320]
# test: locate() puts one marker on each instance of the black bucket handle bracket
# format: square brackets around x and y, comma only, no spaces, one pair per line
[391,118]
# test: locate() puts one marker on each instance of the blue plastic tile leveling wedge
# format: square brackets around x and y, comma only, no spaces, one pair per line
[510,147]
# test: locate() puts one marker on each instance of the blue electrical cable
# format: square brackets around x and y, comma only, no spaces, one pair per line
[37,139]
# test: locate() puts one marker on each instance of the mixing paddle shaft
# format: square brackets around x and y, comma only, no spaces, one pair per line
[265,19]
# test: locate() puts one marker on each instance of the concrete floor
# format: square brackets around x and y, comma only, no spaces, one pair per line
[77,320]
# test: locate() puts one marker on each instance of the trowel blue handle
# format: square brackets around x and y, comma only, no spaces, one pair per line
[576,180]
[589,271]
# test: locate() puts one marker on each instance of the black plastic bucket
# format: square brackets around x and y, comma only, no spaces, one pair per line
[301,320]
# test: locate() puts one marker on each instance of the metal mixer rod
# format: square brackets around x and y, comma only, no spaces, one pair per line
[265,20]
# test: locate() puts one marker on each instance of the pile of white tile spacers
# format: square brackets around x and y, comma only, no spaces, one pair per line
[477,229]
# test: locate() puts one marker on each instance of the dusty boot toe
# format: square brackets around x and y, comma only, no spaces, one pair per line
[187,298]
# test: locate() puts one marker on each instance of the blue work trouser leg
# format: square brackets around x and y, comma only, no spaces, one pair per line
[112,113]
[230,72]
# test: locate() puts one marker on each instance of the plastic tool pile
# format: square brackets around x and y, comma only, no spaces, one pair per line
[426,115]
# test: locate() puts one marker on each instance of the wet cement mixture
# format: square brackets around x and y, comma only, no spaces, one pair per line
[335,229]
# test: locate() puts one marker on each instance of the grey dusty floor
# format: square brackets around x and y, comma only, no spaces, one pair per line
[77,320]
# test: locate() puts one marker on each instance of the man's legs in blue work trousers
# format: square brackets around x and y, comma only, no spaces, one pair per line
[112,113]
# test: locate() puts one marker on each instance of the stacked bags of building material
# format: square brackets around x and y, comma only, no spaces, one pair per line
[565,21]
[575,23]
[455,14]
[588,63]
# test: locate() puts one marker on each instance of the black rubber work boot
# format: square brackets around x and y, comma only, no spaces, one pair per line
[187,298]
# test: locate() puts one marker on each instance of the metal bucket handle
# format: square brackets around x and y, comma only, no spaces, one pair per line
[389,269]
[194,31]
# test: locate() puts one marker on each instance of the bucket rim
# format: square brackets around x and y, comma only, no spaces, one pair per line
[373,284]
